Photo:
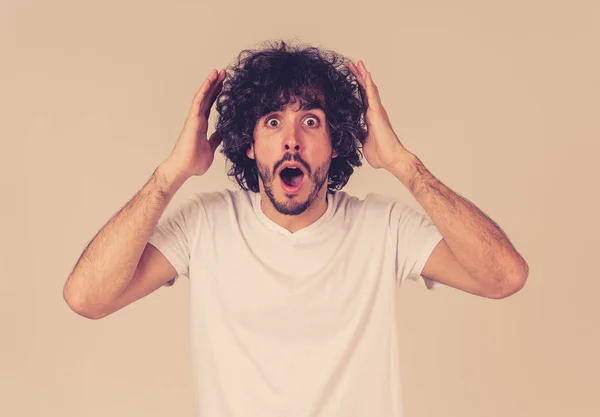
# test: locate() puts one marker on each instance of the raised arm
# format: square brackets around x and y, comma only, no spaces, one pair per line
[119,266]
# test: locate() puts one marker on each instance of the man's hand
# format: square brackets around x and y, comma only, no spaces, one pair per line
[489,264]
[194,153]
[381,148]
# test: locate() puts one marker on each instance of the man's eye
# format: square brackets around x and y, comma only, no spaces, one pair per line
[268,122]
[313,121]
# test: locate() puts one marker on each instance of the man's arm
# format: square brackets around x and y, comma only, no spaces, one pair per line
[119,266]
[110,261]
[475,255]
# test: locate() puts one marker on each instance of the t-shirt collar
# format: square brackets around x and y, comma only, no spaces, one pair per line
[306,231]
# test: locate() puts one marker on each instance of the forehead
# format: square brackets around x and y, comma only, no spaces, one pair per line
[297,104]
[294,107]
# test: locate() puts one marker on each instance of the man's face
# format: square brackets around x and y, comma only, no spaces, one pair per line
[294,136]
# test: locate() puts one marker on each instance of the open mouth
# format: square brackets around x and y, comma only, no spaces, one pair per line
[291,178]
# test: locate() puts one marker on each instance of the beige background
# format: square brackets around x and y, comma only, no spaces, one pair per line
[499,99]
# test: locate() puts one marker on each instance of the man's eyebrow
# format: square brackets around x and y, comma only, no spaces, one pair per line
[303,108]
[312,106]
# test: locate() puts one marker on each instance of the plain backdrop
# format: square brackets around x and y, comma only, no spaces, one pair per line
[499,99]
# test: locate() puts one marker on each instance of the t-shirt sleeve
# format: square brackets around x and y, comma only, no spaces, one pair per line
[174,234]
[415,236]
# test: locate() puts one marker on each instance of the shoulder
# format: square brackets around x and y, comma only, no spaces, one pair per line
[372,203]
[374,210]
[222,201]
[393,212]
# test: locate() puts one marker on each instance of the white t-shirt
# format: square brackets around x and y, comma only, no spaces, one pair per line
[295,324]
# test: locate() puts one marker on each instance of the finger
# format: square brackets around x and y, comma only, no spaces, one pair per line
[370,87]
[353,68]
[201,93]
[364,74]
[362,68]
[372,90]
[361,83]
[218,85]
[363,94]
[212,94]
[356,72]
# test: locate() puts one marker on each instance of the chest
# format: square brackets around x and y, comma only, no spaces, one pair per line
[295,291]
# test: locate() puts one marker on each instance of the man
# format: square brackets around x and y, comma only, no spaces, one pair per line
[292,282]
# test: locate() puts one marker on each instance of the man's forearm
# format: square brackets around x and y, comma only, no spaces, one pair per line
[109,261]
[476,241]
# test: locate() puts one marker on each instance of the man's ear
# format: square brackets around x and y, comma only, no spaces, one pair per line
[334,154]
[250,151]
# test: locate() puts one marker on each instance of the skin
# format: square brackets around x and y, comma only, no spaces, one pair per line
[294,135]
[475,255]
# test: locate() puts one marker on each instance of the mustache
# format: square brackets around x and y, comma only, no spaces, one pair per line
[295,158]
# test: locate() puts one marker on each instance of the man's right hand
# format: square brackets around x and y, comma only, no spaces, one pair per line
[193,153]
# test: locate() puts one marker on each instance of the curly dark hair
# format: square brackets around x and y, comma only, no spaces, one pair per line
[265,80]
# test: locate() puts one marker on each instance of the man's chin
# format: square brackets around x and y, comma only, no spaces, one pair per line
[291,207]
[292,203]
[288,201]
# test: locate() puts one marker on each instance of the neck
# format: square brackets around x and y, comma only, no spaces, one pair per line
[297,222]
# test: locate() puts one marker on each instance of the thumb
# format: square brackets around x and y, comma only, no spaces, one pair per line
[214,141]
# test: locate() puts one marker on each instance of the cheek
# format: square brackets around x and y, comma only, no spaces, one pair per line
[326,150]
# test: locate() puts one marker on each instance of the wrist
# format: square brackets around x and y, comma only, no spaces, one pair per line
[168,179]
[411,172]
[404,169]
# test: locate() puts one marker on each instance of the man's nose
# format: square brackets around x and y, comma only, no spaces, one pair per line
[290,140]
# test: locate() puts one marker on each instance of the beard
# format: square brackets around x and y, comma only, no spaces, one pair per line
[294,206]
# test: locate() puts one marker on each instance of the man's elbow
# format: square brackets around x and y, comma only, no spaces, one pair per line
[513,283]
[79,306]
